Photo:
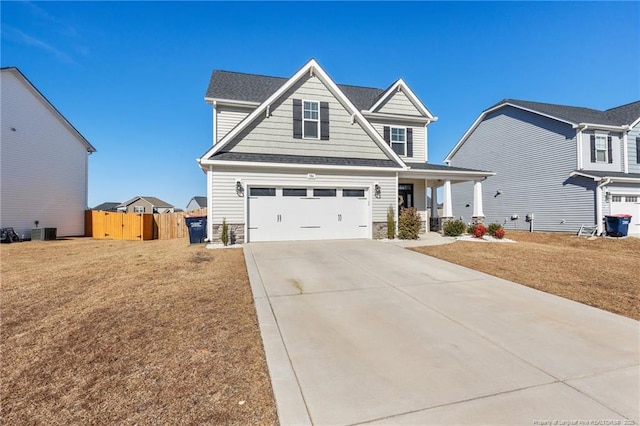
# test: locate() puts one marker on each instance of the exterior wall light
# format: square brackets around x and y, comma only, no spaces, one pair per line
[376,190]
[239,188]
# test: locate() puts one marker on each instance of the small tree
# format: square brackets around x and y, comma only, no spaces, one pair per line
[454,228]
[225,232]
[391,223]
[409,224]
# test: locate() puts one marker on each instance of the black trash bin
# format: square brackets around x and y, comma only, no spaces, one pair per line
[618,225]
[197,226]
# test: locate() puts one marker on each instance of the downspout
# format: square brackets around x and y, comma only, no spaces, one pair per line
[606,182]
[625,149]
[210,204]
[214,129]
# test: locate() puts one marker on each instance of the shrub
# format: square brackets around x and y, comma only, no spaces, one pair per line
[454,228]
[479,231]
[391,223]
[493,227]
[499,233]
[225,232]
[409,223]
[471,228]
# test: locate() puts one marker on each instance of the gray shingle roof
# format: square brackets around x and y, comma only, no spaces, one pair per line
[427,166]
[201,201]
[619,116]
[302,159]
[156,202]
[601,174]
[107,207]
[257,88]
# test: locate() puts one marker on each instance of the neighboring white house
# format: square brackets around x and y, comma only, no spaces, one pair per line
[557,167]
[144,204]
[197,203]
[43,159]
[305,158]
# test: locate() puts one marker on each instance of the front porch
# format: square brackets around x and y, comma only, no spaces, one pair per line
[419,186]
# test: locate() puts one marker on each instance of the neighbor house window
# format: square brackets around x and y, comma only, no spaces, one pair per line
[310,119]
[138,209]
[601,148]
[399,140]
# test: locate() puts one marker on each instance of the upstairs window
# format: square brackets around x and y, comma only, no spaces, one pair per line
[601,149]
[638,150]
[400,139]
[138,209]
[310,119]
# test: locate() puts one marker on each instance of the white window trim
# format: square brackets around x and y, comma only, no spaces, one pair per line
[391,141]
[311,120]
[135,209]
[606,147]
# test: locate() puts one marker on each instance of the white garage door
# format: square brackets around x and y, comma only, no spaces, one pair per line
[284,214]
[628,204]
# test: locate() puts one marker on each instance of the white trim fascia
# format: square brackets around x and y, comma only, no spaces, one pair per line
[611,179]
[16,72]
[625,149]
[435,174]
[604,127]
[580,161]
[396,117]
[634,124]
[231,102]
[310,66]
[400,84]
[490,110]
[295,166]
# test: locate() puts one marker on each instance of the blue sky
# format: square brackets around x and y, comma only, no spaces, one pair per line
[131,76]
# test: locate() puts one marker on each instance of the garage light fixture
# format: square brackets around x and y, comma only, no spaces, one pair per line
[239,188]
[376,190]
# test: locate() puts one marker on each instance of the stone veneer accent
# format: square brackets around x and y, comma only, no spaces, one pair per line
[379,230]
[236,233]
[477,219]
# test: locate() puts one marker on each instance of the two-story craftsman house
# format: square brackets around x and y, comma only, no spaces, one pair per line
[305,158]
[557,166]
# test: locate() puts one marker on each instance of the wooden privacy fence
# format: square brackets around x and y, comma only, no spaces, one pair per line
[138,226]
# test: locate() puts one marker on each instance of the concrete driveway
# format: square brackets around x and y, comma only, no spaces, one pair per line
[360,332]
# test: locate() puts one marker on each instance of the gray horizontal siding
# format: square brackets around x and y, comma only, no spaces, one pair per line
[399,104]
[532,157]
[274,135]
[617,165]
[227,204]
[634,164]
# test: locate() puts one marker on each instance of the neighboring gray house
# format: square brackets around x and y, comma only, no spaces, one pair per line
[566,166]
[305,158]
[197,203]
[145,205]
[43,162]
[107,207]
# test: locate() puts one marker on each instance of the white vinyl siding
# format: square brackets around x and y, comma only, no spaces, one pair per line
[227,118]
[274,135]
[227,204]
[43,165]
[399,104]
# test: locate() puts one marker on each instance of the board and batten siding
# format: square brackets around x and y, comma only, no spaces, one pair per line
[399,104]
[227,118]
[274,135]
[532,157]
[632,149]
[43,165]
[227,204]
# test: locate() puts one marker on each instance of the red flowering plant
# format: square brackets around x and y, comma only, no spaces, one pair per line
[499,233]
[479,231]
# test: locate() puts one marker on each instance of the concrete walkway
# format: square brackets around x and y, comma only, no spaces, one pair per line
[365,332]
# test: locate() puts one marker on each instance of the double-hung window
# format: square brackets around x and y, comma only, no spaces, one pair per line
[138,209]
[399,140]
[310,119]
[601,148]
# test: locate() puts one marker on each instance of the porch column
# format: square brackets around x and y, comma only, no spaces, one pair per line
[434,203]
[478,214]
[447,208]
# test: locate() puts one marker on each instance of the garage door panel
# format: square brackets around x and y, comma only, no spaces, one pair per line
[630,205]
[324,214]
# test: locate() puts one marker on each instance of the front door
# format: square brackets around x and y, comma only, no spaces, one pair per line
[405,195]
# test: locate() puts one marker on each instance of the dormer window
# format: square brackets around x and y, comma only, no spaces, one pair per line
[310,119]
[601,148]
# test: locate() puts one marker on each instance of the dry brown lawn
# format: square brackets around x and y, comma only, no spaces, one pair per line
[603,272]
[154,332]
